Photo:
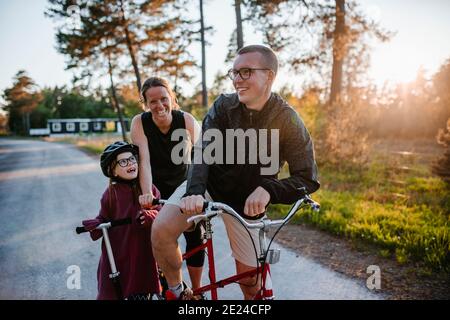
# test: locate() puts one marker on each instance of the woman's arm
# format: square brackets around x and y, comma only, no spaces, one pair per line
[192,127]
[145,172]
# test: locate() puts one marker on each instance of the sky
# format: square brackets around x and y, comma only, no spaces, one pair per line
[27,40]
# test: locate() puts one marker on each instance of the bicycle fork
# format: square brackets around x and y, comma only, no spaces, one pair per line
[272,256]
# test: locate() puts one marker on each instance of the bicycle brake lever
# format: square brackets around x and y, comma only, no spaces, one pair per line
[200,217]
[197,218]
[314,205]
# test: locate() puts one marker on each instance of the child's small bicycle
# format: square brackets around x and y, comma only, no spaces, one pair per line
[267,256]
[115,274]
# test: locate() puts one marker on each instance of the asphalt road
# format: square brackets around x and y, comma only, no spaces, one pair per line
[46,189]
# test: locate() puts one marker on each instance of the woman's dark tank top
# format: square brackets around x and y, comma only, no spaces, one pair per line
[167,176]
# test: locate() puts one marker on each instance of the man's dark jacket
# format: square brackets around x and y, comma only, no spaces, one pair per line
[233,183]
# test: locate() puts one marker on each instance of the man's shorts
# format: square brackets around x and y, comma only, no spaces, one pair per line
[242,247]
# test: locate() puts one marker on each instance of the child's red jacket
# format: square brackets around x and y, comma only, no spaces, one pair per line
[131,245]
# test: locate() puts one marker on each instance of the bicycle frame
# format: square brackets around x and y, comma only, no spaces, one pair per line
[264,293]
[215,208]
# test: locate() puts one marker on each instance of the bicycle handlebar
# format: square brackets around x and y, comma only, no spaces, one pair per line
[106,225]
[161,201]
[216,208]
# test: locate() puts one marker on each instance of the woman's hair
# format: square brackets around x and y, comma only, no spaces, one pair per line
[158,82]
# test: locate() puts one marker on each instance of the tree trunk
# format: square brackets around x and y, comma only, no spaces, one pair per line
[202,32]
[239,35]
[115,100]
[28,127]
[339,52]
[23,130]
[133,56]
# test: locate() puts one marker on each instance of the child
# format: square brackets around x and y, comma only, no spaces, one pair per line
[130,243]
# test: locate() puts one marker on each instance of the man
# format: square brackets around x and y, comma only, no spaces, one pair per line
[243,186]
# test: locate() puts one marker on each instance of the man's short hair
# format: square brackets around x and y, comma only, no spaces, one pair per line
[269,57]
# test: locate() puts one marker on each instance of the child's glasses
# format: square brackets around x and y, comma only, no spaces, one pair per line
[124,162]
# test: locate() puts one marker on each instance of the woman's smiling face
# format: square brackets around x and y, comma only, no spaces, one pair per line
[159,102]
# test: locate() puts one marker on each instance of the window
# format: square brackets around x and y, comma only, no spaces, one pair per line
[56,127]
[84,126]
[110,126]
[70,126]
[97,126]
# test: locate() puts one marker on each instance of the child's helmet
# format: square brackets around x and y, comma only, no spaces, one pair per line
[111,151]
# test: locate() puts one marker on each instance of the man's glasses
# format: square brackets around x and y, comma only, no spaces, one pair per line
[244,73]
[124,162]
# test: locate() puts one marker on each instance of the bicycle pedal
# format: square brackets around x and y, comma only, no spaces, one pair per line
[273,256]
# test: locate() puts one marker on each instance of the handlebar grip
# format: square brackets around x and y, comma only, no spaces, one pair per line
[114,223]
[302,192]
[79,230]
[156,202]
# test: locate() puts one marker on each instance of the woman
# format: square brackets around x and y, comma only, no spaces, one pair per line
[152,132]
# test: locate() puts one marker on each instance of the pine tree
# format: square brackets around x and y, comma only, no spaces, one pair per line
[21,99]
[146,33]
[326,38]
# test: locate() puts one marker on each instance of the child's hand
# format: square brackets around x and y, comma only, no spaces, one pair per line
[90,225]
[146,200]
[146,217]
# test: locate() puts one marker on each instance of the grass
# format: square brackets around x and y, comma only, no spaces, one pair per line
[404,213]
[94,143]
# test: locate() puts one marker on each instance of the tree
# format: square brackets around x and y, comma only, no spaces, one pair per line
[109,29]
[90,45]
[169,34]
[441,86]
[21,99]
[239,32]
[339,52]
[115,99]
[441,167]
[130,101]
[203,45]
[3,124]
[236,40]
[146,32]
[319,37]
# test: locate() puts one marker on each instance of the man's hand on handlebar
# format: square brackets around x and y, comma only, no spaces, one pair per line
[192,204]
[256,202]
